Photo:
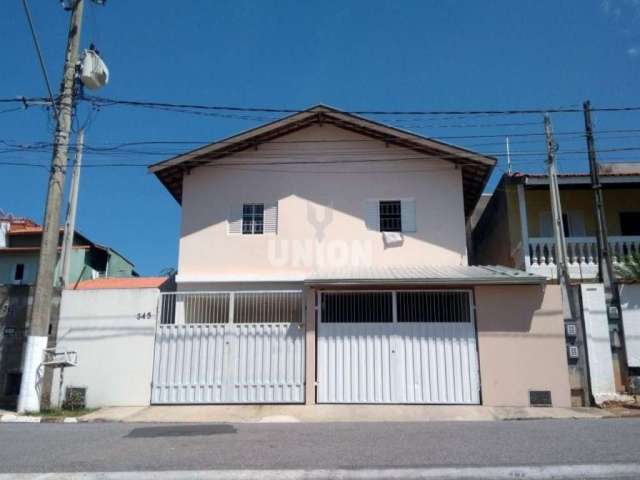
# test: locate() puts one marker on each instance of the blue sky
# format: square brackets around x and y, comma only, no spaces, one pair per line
[355,55]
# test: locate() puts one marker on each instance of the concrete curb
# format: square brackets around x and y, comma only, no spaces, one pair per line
[333,413]
[542,472]
[288,414]
[13,418]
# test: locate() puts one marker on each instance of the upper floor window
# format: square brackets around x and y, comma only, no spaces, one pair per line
[390,216]
[253,219]
[18,273]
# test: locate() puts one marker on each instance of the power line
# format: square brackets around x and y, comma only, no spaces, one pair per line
[104,101]
[42,148]
[39,52]
[9,110]
[121,144]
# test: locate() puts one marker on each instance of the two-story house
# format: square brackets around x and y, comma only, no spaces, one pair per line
[502,235]
[323,258]
[515,229]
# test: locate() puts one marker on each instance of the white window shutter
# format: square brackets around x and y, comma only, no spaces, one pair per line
[408,213]
[372,215]
[271,217]
[235,220]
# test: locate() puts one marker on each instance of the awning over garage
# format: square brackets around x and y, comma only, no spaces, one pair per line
[426,274]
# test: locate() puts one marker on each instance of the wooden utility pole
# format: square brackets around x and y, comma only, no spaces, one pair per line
[70,223]
[29,399]
[605,266]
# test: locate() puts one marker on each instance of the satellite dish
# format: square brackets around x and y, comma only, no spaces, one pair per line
[94,73]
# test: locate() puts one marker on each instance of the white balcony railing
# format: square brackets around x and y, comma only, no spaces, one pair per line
[582,253]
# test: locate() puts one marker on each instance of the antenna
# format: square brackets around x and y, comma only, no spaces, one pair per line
[508,157]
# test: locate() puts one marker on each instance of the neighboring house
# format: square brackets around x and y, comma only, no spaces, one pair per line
[19,252]
[501,236]
[20,249]
[323,258]
[515,229]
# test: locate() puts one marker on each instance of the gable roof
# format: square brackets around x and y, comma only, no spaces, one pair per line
[476,168]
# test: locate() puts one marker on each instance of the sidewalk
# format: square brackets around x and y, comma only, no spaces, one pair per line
[334,413]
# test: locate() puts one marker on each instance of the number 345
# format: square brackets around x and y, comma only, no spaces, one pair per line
[143,316]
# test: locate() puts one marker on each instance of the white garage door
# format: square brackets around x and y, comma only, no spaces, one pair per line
[397,347]
[229,347]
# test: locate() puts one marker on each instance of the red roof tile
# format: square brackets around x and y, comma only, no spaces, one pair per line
[120,283]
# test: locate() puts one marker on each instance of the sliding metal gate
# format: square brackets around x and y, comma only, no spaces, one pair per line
[397,347]
[229,347]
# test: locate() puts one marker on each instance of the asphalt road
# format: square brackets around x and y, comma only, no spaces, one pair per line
[103,447]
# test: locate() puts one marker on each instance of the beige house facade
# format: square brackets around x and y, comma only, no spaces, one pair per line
[515,227]
[323,259]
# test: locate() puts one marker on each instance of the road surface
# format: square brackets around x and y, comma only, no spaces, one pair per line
[409,448]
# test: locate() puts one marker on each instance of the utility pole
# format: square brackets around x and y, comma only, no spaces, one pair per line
[579,375]
[70,223]
[558,227]
[605,266]
[29,399]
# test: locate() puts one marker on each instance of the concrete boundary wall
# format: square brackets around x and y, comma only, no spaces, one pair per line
[521,344]
[113,333]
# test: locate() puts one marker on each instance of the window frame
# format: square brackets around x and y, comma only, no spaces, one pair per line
[384,217]
[253,219]
[15,280]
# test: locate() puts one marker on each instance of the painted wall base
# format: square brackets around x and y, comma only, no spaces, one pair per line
[29,399]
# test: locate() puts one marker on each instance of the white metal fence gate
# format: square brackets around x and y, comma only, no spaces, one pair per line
[397,347]
[229,347]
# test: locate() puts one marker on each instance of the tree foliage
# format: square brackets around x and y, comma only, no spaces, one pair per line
[629,270]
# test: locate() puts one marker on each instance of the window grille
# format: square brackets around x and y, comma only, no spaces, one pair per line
[252,218]
[195,308]
[433,307]
[391,216]
[357,307]
[214,307]
[267,307]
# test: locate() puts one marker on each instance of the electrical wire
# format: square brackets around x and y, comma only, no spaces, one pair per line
[104,101]
[111,146]
[9,110]
[39,52]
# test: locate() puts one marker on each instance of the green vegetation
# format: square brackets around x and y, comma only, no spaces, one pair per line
[60,412]
[629,271]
